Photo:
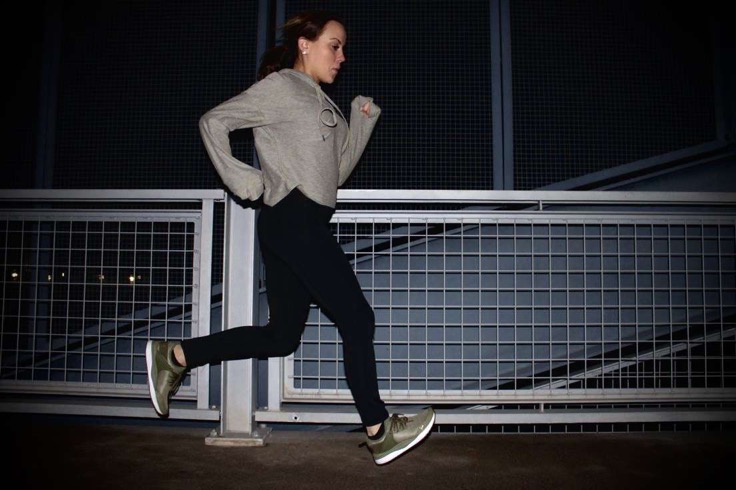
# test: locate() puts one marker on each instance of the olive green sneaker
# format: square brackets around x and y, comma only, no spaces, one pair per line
[401,434]
[164,375]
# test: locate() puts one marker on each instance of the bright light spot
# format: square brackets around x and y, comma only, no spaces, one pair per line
[131,278]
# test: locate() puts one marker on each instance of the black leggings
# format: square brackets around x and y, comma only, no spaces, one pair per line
[304,263]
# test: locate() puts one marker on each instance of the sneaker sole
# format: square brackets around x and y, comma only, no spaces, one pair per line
[151,388]
[390,457]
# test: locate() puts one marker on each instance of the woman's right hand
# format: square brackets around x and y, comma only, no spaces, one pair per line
[366,109]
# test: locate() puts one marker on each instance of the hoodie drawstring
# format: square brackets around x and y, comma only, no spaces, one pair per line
[321,96]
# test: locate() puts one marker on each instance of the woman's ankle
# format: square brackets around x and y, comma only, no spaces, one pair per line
[373,429]
[179,355]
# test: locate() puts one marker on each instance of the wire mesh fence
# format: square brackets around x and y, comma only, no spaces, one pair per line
[478,307]
[83,292]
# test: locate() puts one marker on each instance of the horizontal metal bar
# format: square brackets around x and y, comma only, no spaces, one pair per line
[110,408]
[531,197]
[387,195]
[548,416]
[630,395]
[380,216]
[188,392]
[111,194]
[185,215]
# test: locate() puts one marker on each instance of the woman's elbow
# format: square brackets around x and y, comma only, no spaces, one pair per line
[205,120]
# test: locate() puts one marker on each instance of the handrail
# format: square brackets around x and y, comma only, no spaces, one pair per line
[535,197]
[395,196]
[160,195]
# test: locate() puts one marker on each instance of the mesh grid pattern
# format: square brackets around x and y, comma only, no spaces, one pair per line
[134,80]
[600,84]
[482,307]
[595,85]
[427,65]
[81,297]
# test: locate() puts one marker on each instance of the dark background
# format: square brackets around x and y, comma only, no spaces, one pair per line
[108,94]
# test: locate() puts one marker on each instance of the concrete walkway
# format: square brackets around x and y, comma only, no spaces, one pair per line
[78,455]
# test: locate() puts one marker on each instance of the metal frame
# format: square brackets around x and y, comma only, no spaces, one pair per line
[501,87]
[117,399]
[110,389]
[238,399]
[239,415]
[242,262]
[540,198]
[112,195]
[541,415]
[239,378]
[658,207]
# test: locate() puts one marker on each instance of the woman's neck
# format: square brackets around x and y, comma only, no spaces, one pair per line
[298,66]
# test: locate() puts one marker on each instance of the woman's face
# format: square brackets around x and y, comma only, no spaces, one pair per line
[325,55]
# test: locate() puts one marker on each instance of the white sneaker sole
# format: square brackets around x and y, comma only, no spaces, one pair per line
[149,366]
[390,457]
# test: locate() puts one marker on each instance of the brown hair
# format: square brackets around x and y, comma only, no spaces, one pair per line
[309,25]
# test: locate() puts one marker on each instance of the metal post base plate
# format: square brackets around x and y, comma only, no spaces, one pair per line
[258,438]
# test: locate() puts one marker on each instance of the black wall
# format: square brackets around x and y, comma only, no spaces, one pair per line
[108,94]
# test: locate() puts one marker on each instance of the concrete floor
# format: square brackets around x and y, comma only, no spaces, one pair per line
[77,454]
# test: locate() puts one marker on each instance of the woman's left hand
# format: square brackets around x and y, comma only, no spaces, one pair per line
[366,109]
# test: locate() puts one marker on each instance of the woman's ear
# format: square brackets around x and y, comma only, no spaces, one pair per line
[303,44]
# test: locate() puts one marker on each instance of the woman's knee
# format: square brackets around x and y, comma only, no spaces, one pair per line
[286,348]
[283,343]
[361,326]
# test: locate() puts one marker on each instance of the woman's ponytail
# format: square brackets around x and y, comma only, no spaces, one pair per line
[273,60]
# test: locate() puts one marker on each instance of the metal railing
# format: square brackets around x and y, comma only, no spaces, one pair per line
[527,301]
[88,277]
[541,298]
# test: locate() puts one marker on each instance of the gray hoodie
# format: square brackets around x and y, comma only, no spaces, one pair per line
[301,137]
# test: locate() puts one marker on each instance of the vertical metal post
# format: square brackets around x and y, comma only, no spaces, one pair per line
[508,120]
[237,422]
[497,95]
[47,96]
[502,103]
[280,14]
[203,296]
[240,305]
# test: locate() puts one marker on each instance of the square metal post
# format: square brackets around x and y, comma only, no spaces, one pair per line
[237,419]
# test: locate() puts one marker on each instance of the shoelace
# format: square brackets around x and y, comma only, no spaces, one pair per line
[398,422]
[174,385]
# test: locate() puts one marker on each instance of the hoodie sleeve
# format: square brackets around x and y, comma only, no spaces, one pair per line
[361,127]
[250,109]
